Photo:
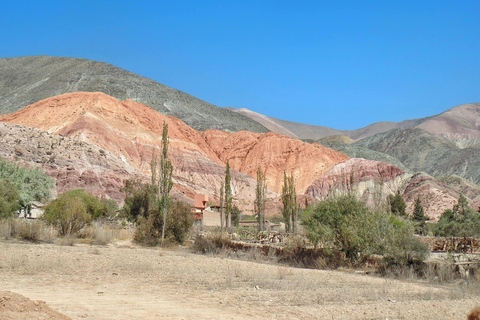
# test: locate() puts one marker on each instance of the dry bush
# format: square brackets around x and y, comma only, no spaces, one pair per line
[125,234]
[5,229]
[103,234]
[31,230]
[211,243]
[67,240]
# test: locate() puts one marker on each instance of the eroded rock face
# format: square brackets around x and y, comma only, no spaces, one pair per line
[72,163]
[131,132]
[127,132]
[435,196]
[275,154]
[371,180]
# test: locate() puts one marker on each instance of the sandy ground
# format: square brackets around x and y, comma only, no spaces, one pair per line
[122,281]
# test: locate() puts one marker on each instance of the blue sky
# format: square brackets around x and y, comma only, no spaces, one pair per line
[341,64]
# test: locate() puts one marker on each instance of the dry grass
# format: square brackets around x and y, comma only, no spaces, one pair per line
[26,229]
[236,283]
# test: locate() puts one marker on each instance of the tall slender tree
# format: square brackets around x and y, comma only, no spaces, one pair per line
[228,195]
[222,205]
[165,182]
[260,200]
[289,200]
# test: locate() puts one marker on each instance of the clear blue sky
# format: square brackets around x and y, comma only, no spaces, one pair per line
[342,64]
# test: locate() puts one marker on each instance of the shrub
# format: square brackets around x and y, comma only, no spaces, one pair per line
[72,210]
[211,243]
[9,199]
[179,222]
[349,226]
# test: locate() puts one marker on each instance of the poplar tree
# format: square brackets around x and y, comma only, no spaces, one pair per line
[260,201]
[165,182]
[222,200]
[228,195]
[289,200]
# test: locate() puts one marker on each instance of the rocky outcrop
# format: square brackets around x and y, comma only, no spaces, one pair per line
[370,180]
[435,196]
[72,163]
[275,154]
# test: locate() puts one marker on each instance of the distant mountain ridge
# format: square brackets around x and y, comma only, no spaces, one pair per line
[26,80]
[460,125]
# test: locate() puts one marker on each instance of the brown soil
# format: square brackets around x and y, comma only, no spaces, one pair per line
[14,306]
[122,281]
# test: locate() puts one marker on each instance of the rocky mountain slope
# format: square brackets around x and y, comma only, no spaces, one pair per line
[72,163]
[420,150]
[460,125]
[130,131]
[26,80]
[373,181]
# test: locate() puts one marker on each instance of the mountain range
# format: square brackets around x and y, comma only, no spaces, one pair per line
[92,125]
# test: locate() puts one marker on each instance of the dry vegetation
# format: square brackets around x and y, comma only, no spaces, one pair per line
[124,281]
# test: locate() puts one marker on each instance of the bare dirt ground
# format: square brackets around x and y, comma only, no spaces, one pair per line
[122,281]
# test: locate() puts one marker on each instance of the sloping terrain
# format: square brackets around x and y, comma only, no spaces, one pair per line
[130,131]
[26,80]
[460,125]
[275,154]
[373,181]
[354,151]
[72,163]
[419,151]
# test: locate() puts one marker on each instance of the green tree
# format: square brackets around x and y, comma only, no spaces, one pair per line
[8,199]
[236,215]
[140,199]
[289,201]
[397,205]
[222,205]
[165,182]
[419,216]
[32,184]
[228,195]
[180,221]
[459,221]
[260,200]
[461,207]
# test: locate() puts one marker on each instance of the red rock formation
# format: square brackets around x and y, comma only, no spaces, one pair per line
[275,154]
[130,131]
[373,181]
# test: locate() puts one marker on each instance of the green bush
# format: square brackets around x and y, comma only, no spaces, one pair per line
[9,199]
[179,222]
[347,225]
[72,210]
